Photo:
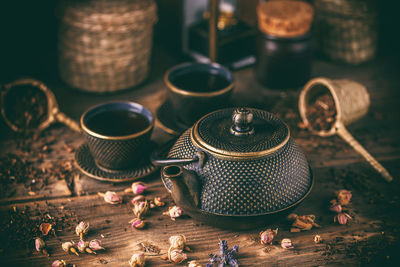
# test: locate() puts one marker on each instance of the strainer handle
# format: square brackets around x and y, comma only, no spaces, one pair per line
[61,117]
[346,135]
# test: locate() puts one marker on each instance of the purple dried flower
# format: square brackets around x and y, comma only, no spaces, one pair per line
[226,256]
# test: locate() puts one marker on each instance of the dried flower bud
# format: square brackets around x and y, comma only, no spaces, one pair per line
[83,246]
[194,264]
[335,206]
[138,188]
[95,245]
[69,247]
[137,223]
[174,212]
[158,202]
[344,197]
[176,255]
[286,243]
[267,236]
[342,218]
[45,228]
[141,208]
[59,263]
[111,197]
[317,239]
[292,216]
[138,198]
[82,229]
[40,246]
[137,260]
[177,241]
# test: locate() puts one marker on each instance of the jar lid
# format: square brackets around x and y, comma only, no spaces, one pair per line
[240,134]
[285,18]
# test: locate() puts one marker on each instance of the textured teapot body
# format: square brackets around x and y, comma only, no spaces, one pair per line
[247,187]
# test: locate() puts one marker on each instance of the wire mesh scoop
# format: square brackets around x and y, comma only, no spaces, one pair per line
[28,104]
[336,103]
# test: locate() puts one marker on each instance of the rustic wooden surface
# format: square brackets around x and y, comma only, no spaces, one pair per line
[372,238]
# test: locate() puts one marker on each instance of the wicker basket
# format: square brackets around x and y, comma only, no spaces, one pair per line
[104,45]
[346,30]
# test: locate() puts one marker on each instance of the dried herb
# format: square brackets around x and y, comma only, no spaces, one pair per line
[226,256]
[321,112]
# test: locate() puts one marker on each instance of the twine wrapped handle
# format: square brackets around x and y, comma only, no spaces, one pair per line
[61,117]
[346,135]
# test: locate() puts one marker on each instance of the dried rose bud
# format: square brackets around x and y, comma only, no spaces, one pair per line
[137,223]
[317,239]
[82,229]
[286,243]
[267,236]
[141,208]
[83,246]
[194,264]
[176,255]
[59,263]
[69,247]
[174,212]
[158,202]
[342,218]
[138,188]
[40,246]
[177,241]
[95,245]
[45,228]
[335,206]
[138,198]
[137,260]
[292,216]
[111,197]
[344,197]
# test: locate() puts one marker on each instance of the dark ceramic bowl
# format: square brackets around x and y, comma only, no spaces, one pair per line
[191,104]
[117,152]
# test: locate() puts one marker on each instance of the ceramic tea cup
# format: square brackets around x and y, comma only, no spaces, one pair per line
[196,89]
[117,133]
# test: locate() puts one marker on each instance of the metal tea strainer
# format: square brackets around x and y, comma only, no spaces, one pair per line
[351,101]
[28,104]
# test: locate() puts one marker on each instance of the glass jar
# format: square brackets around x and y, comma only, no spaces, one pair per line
[283,62]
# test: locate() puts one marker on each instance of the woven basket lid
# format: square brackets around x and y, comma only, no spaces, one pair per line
[242,134]
[285,18]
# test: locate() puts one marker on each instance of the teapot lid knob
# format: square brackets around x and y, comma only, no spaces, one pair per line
[242,120]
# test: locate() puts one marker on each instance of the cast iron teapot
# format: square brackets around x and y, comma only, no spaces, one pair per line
[236,168]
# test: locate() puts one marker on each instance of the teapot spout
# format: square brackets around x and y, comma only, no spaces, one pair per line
[185,186]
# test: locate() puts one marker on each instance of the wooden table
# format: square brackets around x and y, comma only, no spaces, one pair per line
[372,237]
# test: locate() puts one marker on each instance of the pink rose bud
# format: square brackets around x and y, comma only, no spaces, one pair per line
[138,198]
[82,229]
[176,255]
[138,223]
[344,197]
[317,239]
[39,244]
[138,188]
[194,264]
[267,236]
[174,212]
[59,263]
[286,243]
[83,246]
[336,207]
[342,218]
[112,198]
[177,241]
[141,208]
[95,245]
[137,260]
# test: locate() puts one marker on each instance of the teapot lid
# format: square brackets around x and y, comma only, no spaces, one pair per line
[240,134]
